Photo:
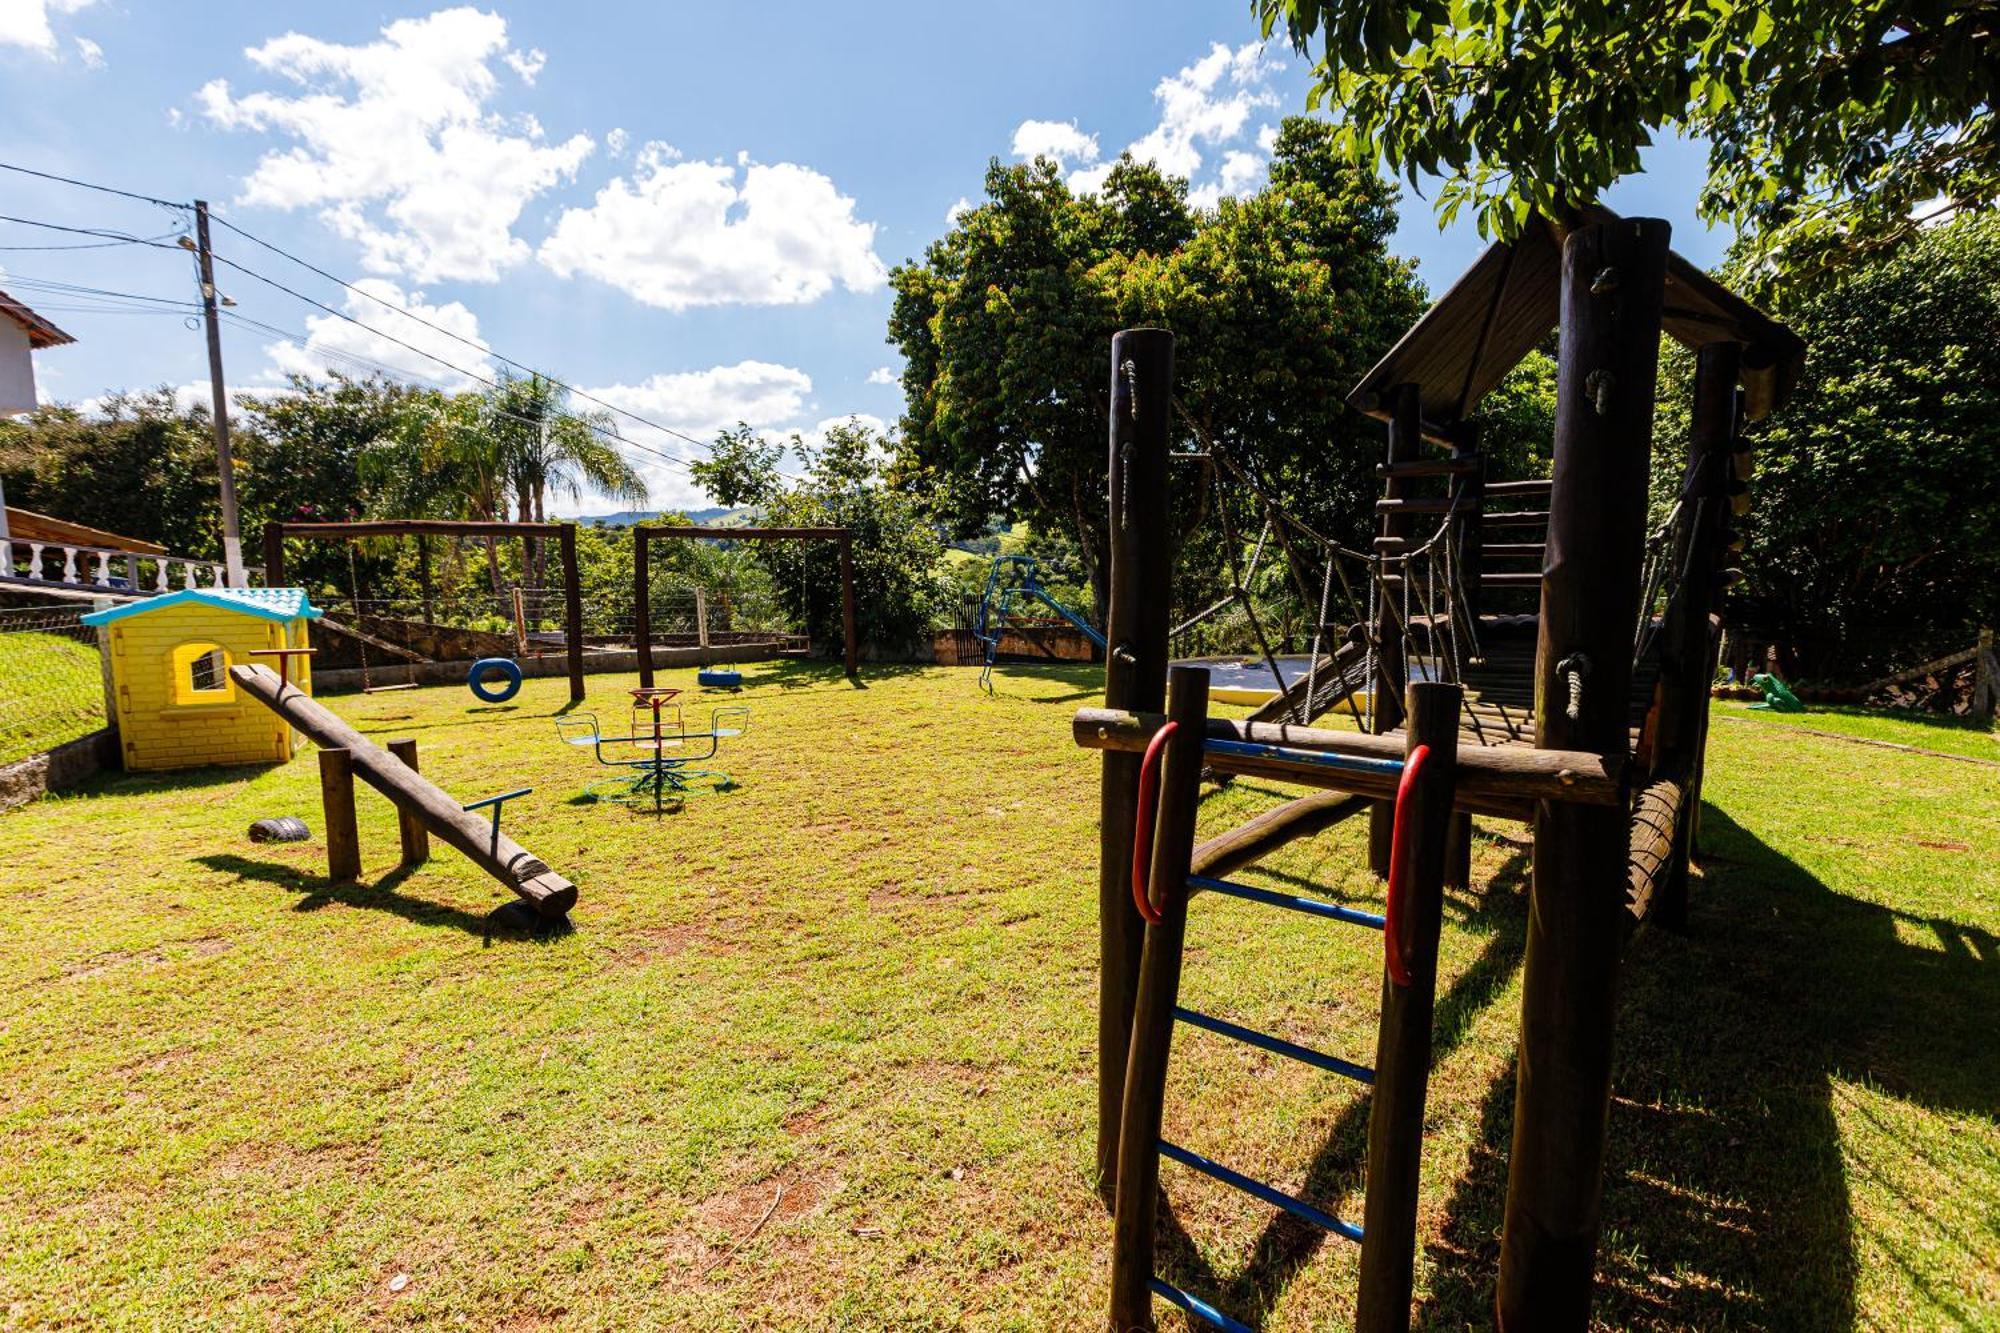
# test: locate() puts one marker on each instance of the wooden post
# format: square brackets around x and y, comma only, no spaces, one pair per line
[572,611]
[520,620]
[642,603]
[1687,640]
[1143,1093]
[1613,287]
[424,590]
[1985,686]
[336,799]
[701,622]
[1135,677]
[1392,673]
[1403,1040]
[416,839]
[847,628]
[274,555]
[1468,493]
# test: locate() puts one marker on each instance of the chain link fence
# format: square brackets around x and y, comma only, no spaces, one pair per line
[51,680]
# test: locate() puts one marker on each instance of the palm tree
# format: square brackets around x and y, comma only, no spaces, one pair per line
[544,447]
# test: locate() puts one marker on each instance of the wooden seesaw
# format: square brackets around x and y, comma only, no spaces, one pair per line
[424,807]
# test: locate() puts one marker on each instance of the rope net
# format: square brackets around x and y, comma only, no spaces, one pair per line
[1378,617]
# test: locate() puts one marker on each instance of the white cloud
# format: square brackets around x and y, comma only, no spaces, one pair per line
[90,53]
[1240,171]
[1060,140]
[700,403]
[26,23]
[335,344]
[1204,107]
[957,211]
[681,234]
[884,375]
[528,64]
[616,142]
[396,144]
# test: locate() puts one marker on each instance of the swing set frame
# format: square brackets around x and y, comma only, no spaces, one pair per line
[643,537]
[564,534]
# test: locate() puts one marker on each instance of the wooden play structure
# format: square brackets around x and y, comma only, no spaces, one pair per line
[422,807]
[643,537]
[1582,713]
[169,660]
[564,534]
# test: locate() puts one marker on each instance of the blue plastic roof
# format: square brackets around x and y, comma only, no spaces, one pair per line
[282,604]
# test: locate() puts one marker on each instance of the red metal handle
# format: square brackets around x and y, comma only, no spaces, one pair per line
[1142,820]
[1399,867]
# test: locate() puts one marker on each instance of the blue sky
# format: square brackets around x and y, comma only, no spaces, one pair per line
[688,210]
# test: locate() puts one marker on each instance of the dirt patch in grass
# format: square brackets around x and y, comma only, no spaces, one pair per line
[206,946]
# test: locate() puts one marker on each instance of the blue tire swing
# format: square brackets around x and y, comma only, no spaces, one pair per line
[508,686]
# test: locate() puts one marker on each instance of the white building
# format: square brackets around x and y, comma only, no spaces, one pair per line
[22,334]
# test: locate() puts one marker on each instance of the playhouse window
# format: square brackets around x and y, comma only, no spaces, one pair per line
[200,674]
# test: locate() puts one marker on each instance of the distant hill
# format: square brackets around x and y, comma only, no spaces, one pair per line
[717,517]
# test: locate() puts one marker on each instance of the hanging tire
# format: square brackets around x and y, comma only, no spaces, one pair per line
[509,685]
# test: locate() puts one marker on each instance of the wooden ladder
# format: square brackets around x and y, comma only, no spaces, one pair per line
[1401,1072]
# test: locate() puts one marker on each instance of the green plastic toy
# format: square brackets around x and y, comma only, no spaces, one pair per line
[1776,697]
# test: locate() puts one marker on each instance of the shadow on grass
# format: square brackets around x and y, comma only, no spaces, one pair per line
[511,920]
[1978,726]
[1335,1172]
[1725,1197]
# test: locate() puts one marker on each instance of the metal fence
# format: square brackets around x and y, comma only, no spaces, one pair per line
[51,682]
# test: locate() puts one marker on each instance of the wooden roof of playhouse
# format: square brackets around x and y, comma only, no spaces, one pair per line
[1507,302]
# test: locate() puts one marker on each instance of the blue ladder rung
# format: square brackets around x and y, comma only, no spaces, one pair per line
[1339,763]
[1197,1307]
[1310,906]
[1257,1189]
[1278,1046]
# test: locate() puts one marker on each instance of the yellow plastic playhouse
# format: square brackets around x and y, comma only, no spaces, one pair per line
[169,660]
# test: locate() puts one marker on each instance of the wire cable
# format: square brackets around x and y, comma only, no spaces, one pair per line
[89,185]
[391,305]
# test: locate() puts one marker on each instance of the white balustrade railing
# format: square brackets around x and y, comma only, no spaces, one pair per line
[95,567]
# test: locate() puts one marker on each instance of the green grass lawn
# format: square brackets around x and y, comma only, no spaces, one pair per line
[819,1052]
[51,691]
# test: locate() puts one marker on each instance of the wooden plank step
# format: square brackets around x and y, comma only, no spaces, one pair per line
[1533,486]
[1419,506]
[1495,580]
[1430,467]
[1523,518]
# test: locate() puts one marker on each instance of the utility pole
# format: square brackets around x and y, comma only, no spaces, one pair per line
[232,537]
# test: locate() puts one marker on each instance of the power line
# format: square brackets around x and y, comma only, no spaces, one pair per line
[368,363]
[391,305]
[126,238]
[115,237]
[89,185]
[26,283]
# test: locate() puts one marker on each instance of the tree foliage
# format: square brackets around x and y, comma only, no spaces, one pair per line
[1829,122]
[1280,302]
[1874,529]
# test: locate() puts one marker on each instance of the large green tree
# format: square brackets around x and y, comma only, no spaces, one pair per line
[1281,301]
[1874,528]
[140,465]
[1832,125]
